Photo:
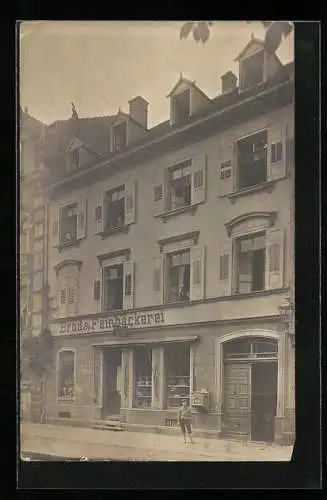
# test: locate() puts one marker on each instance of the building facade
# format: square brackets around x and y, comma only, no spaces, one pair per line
[170,252]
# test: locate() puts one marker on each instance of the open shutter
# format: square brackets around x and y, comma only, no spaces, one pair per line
[225,168]
[56,227]
[130,189]
[99,216]
[198,179]
[81,219]
[159,192]
[197,273]
[97,290]
[225,268]
[157,285]
[276,161]
[274,258]
[63,299]
[128,289]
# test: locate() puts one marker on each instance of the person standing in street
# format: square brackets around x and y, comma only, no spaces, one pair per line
[184,416]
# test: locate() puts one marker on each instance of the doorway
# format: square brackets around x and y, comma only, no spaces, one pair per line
[263,401]
[111,382]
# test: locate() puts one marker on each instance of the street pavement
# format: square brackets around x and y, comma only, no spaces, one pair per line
[74,442]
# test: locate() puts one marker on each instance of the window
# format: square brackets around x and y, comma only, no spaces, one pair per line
[177,361]
[158,192]
[225,170]
[68,226]
[119,137]
[178,276]
[37,302]
[252,160]
[181,106]
[38,261]
[114,208]
[38,230]
[66,375]
[276,152]
[37,281]
[143,377]
[253,348]
[73,159]
[181,185]
[113,287]
[37,246]
[252,70]
[251,258]
[224,267]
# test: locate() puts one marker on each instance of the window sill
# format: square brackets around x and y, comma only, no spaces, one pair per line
[176,211]
[109,232]
[266,186]
[68,244]
[65,400]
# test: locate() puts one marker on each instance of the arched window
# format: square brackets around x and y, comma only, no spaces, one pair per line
[250,349]
[66,375]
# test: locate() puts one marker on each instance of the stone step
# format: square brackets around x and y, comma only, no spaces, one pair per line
[113,425]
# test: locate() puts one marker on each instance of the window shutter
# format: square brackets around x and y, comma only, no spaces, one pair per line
[56,227]
[96,290]
[99,216]
[289,154]
[275,259]
[63,302]
[276,169]
[130,200]
[128,286]
[158,279]
[159,189]
[199,179]
[225,268]
[225,168]
[81,219]
[197,272]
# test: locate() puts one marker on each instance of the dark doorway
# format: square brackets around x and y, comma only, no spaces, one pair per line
[111,382]
[263,400]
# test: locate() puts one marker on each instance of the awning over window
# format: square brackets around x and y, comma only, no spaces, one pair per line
[131,342]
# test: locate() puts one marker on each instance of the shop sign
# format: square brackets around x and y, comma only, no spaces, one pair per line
[111,323]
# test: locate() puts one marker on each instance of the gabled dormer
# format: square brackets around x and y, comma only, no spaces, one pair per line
[128,128]
[78,154]
[185,100]
[256,65]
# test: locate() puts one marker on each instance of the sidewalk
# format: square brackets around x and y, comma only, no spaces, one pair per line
[73,442]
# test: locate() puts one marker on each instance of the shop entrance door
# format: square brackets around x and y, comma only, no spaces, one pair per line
[111,382]
[263,401]
[237,405]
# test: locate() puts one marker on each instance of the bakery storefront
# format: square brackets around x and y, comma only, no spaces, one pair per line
[138,367]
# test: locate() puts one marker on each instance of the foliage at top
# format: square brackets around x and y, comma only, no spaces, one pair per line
[275,31]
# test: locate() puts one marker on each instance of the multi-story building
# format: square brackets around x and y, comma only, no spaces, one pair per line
[32,224]
[170,253]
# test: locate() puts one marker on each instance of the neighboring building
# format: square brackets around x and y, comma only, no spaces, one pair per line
[32,224]
[170,252]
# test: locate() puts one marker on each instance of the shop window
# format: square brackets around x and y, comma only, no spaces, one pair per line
[66,375]
[251,258]
[119,137]
[252,160]
[143,377]
[68,223]
[177,361]
[114,208]
[113,287]
[181,185]
[178,276]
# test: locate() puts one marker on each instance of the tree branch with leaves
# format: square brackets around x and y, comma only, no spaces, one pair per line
[275,32]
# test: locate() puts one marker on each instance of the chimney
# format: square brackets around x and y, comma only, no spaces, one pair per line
[138,111]
[228,82]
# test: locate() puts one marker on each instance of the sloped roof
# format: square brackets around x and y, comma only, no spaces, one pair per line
[253,41]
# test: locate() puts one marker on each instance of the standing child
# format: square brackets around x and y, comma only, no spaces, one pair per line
[184,416]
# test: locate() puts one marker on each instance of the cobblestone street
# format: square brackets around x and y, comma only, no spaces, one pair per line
[74,442]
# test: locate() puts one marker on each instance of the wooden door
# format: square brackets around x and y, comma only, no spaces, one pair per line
[237,400]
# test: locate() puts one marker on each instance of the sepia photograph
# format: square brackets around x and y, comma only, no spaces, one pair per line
[157,241]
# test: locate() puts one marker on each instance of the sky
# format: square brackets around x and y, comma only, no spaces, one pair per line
[100,65]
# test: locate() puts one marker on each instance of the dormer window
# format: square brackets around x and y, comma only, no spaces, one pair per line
[252,70]
[119,137]
[73,159]
[181,106]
